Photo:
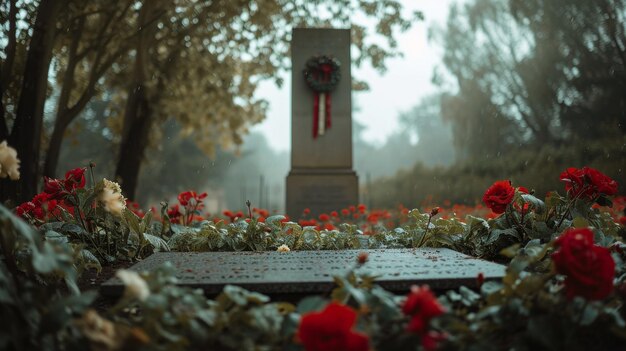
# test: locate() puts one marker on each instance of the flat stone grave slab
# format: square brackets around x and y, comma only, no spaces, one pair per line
[311,272]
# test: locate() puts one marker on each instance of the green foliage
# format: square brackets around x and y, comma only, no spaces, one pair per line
[256,236]
[527,310]
[533,167]
[36,274]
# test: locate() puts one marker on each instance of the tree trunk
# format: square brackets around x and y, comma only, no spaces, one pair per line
[26,133]
[4,129]
[134,143]
[54,151]
[6,68]
[138,113]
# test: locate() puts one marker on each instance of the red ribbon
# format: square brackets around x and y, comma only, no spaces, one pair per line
[316,114]
[327,110]
[325,70]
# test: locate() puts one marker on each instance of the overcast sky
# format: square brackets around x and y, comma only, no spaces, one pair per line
[400,88]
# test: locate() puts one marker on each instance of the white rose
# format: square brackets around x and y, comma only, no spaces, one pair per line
[9,163]
[136,287]
[112,199]
[283,248]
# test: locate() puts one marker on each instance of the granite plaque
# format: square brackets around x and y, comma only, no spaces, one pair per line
[311,272]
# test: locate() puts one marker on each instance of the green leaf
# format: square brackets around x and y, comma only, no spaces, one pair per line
[490,287]
[156,242]
[274,221]
[535,203]
[56,237]
[88,200]
[241,296]
[89,260]
[589,314]
[540,230]
[145,222]
[73,228]
[580,222]
[132,220]
[511,251]
[311,303]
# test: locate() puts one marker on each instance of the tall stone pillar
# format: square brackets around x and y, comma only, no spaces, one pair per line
[321,176]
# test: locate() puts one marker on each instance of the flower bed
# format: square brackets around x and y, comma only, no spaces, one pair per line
[565,285]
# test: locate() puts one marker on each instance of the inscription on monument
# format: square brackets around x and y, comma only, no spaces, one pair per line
[319,195]
[299,272]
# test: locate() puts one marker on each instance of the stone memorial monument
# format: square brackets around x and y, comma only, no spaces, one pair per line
[321,176]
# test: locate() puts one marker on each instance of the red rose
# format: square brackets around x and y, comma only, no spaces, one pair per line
[25,209]
[331,329]
[75,178]
[372,218]
[587,183]
[422,306]
[499,196]
[431,339]
[574,179]
[361,208]
[601,183]
[38,207]
[307,222]
[54,187]
[185,197]
[135,208]
[589,269]
[328,227]
[174,214]
[262,212]
[362,257]
[324,217]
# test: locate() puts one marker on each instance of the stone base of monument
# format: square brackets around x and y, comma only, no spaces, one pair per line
[321,191]
[292,275]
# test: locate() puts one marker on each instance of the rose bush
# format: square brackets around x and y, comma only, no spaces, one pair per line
[563,288]
[589,268]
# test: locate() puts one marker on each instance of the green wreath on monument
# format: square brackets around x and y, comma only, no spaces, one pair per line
[322,74]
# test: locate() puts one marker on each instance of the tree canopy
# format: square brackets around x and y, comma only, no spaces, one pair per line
[534,73]
[198,62]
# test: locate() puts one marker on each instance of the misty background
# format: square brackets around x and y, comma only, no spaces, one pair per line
[519,90]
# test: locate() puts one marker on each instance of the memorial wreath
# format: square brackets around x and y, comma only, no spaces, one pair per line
[322,74]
